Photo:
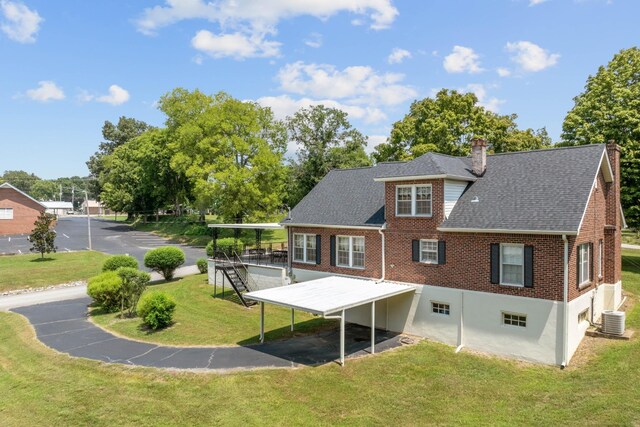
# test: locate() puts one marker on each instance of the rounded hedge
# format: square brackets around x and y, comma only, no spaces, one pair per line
[203,265]
[156,309]
[164,260]
[106,290]
[115,262]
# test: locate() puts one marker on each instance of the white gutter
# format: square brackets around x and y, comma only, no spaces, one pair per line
[565,316]
[349,227]
[420,177]
[505,231]
[380,230]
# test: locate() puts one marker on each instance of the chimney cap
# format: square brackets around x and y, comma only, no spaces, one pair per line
[479,141]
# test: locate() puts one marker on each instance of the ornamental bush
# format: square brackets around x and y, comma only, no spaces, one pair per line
[106,290]
[134,283]
[164,260]
[115,262]
[202,264]
[156,309]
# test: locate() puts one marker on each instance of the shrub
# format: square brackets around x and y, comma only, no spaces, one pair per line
[115,262]
[226,245]
[202,264]
[156,309]
[106,290]
[164,260]
[134,283]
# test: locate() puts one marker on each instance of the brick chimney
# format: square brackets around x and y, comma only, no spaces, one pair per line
[613,228]
[478,156]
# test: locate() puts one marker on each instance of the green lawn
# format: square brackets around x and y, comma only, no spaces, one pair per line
[202,320]
[417,385]
[29,271]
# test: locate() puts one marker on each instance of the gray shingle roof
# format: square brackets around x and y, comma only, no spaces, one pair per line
[433,164]
[544,190]
[347,197]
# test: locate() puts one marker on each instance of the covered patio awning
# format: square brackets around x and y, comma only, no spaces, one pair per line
[329,297]
[250,226]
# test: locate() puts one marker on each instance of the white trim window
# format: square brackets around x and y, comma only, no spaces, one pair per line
[6,213]
[600,258]
[304,248]
[511,264]
[583,264]
[413,200]
[429,251]
[440,308]
[514,319]
[350,251]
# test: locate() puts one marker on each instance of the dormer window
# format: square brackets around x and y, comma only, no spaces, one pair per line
[413,200]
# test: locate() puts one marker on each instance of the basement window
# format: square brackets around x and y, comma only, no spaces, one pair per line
[440,308]
[583,316]
[513,319]
[6,213]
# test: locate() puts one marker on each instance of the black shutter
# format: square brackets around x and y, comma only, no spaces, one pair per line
[528,266]
[332,250]
[318,250]
[591,262]
[495,263]
[415,250]
[442,252]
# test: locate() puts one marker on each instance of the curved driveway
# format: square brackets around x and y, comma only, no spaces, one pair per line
[64,326]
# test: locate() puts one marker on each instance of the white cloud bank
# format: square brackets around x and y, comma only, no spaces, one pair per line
[397,56]
[531,57]
[19,22]
[462,60]
[45,92]
[246,24]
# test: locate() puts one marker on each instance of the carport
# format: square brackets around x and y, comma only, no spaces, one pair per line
[329,297]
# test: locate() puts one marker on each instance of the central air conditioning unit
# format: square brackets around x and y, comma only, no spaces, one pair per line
[613,322]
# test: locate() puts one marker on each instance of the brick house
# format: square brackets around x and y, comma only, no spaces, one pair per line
[18,210]
[514,254]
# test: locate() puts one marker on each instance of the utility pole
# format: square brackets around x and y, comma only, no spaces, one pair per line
[86,201]
[73,194]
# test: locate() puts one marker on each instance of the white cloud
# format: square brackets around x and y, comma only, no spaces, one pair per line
[462,59]
[236,45]
[357,84]
[398,55]
[46,91]
[116,96]
[19,22]
[375,140]
[536,2]
[503,72]
[314,40]
[480,90]
[531,57]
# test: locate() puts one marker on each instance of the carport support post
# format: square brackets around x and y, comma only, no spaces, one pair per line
[261,322]
[342,322]
[292,319]
[373,327]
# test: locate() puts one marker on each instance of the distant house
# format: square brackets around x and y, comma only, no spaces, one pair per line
[18,210]
[94,207]
[58,208]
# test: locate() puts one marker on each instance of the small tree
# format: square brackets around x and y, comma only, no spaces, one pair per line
[134,283]
[42,237]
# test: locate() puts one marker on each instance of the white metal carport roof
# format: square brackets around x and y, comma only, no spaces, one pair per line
[329,297]
[260,226]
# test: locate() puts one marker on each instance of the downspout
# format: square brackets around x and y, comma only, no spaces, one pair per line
[565,317]
[289,251]
[380,230]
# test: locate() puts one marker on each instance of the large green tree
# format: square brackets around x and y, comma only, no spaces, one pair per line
[230,151]
[609,109]
[447,124]
[22,180]
[45,190]
[325,140]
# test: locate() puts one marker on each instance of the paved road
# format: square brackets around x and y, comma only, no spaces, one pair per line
[63,326]
[106,236]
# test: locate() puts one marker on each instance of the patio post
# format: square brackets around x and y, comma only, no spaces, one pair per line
[342,325]
[373,327]
[261,322]
[292,311]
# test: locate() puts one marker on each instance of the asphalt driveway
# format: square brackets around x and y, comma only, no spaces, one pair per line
[106,236]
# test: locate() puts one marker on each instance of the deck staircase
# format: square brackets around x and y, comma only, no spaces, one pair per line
[230,268]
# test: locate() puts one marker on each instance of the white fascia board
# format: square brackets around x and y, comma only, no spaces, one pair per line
[505,231]
[351,227]
[419,177]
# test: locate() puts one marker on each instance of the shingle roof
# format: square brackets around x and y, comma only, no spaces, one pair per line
[346,197]
[433,164]
[543,190]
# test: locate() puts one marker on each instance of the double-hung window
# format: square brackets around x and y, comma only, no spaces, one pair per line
[413,200]
[6,213]
[512,264]
[429,251]
[584,269]
[350,251]
[304,248]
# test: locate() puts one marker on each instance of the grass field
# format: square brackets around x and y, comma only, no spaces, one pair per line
[417,385]
[202,320]
[29,271]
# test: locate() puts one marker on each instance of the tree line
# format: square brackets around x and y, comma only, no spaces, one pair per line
[69,189]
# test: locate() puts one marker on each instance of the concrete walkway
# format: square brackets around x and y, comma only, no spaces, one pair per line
[63,326]
[64,293]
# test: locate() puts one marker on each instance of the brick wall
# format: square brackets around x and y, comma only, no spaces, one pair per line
[25,212]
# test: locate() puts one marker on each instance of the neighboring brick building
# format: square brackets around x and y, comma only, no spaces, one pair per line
[18,210]
[516,253]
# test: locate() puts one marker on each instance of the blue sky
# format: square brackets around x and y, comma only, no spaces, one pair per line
[69,65]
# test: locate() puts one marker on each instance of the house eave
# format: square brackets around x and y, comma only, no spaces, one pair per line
[420,177]
[506,231]
[351,227]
